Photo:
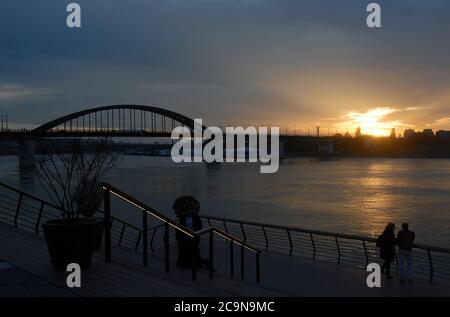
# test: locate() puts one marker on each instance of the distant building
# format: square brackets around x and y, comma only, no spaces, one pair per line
[409,133]
[443,135]
[358,133]
[393,135]
[428,133]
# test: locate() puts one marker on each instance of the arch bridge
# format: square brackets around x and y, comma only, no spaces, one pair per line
[115,121]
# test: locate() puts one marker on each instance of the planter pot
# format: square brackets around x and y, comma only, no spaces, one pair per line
[70,241]
[97,238]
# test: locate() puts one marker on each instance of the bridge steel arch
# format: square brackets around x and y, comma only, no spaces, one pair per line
[120,120]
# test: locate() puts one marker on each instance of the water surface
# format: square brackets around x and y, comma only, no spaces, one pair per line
[348,195]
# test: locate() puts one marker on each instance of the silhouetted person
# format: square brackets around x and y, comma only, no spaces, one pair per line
[186,209]
[387,249]
[405,241]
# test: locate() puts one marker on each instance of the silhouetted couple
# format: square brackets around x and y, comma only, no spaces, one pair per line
[187,209]
[405,241]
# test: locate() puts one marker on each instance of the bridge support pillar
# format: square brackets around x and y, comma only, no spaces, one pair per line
[26,154]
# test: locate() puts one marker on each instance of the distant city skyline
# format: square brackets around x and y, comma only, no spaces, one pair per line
[289,63]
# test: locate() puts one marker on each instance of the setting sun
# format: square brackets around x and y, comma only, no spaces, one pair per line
[372,122]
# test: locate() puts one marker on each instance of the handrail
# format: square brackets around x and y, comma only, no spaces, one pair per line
[32,197]
[49,204]
[211,230]
[318,232]
[227,236]
[124,196]
[431,257]
[290,228]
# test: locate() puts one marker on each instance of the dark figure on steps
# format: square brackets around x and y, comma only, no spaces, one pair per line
[186,209]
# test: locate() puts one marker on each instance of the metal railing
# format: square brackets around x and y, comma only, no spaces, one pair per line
[429,262]
[28,212]
[211,231]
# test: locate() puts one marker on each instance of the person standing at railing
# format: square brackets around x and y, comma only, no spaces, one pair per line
[405,241]
[386,242]
[187,209]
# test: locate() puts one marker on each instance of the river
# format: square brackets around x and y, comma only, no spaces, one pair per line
[350,195]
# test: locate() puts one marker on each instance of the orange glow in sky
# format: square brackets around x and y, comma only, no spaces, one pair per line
[372,122]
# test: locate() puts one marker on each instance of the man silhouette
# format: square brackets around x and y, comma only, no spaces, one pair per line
[405,241]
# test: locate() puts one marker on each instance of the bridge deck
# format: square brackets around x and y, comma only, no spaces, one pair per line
[31,274]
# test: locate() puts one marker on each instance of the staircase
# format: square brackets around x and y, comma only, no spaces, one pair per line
[126,274]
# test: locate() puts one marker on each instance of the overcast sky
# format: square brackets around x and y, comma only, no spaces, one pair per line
[243,61]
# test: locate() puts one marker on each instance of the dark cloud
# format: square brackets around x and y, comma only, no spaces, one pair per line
[242,60]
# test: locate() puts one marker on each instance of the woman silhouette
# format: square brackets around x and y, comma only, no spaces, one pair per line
[186,209]
[387,249]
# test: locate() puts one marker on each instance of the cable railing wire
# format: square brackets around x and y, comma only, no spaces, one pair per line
[430,262]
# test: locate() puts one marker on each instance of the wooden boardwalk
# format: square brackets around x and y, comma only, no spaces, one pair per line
[281,275]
